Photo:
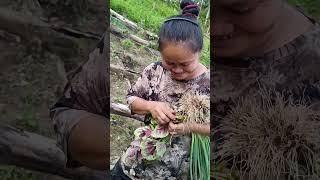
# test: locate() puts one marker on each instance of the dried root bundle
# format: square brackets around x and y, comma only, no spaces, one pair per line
[194,107]
[270,137]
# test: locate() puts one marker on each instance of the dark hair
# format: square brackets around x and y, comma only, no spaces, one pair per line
[183,28]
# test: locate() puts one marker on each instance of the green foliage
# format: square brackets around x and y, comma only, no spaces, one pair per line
[127,44]
[205,55]
[14,173]
[28,121]
[119,99]
[312,6]
[149,14]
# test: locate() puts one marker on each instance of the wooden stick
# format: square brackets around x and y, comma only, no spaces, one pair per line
[123,110]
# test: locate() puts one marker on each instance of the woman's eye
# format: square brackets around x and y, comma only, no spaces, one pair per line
[241,11]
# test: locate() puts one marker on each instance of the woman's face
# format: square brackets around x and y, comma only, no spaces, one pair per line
[240,27]
[180,60]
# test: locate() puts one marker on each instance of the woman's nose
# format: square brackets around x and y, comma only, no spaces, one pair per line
[222,29]
[177,70]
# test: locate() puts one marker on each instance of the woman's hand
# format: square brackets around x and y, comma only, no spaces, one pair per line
[162,112]
[180,128]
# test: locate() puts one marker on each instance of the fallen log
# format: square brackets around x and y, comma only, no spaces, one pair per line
[76,33]
[119,33]
[139,40]
[35,152]
[126,72]
[131,25]
[123,110]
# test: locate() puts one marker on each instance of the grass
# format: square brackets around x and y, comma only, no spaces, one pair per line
[205,56]
[12,172]
[149,14]
[127,44]
[311,6]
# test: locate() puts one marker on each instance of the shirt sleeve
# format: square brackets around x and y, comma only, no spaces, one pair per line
[142,88]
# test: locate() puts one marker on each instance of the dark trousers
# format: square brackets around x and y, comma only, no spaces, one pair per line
[117,172]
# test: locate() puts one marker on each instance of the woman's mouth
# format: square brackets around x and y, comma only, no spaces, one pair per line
[222,37]
[222,41]
[176,74]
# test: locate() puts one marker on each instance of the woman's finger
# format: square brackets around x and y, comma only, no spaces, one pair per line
[170,115]
[160,121]
[173,133]
[164,117]
[172,126]
[170,112]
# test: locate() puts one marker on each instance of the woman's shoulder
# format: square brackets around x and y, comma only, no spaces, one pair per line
[310,40]
[154,66]
[153,69]
[203,79]
[308,57]
[202,83]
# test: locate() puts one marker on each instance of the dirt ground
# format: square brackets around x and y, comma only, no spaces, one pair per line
[135,58]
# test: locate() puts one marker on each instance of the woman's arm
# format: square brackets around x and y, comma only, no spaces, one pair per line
[141,106]
[200,128]
[159,110]
[187,128]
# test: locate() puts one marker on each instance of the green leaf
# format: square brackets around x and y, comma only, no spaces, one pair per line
[142,132]
[160,149]
[160,132]
[148,149]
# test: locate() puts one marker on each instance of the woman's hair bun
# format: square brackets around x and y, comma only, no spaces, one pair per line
[189,8]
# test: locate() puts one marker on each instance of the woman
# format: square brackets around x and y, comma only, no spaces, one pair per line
[258,46]
[163,83]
